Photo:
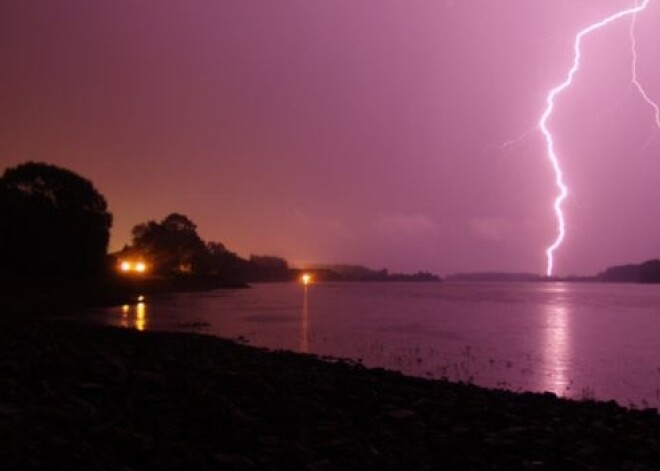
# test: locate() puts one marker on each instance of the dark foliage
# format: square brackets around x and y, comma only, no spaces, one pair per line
[172,245]
[53,222]
[647,272]
[225,265]
[361,273]
[650,271]
[268,268]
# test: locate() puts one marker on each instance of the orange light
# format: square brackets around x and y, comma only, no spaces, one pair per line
[141,316]
[130,266]
[306,279]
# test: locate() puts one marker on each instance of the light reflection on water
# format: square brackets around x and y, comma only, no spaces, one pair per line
[134,316]
[556,349]
[304,323]
[573,339]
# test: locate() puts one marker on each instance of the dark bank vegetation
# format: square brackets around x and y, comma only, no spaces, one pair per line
[52,223]
[55,224]
[495,276]
[647,272]
[354,273]
[172,247]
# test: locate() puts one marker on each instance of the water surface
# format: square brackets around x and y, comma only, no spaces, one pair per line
[577,340]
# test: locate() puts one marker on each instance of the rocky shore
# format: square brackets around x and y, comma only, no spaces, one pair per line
[74,396]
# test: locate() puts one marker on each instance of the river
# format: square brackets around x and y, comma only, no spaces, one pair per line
[577,340]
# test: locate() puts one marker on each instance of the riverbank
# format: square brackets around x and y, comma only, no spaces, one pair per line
[46,296]
[80,396]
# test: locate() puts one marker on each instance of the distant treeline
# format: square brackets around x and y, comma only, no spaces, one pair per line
[647,272]
[495,276]
[361,273]
[172,247]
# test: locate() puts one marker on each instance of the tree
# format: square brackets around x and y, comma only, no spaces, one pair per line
[173,245]
[268,268]
[650,271]
[52,222]
[225,265]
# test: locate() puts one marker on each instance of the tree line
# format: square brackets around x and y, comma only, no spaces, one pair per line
[646,272]
[53,222]
[174,247]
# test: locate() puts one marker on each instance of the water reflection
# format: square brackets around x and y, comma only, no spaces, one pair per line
[141,317]
[304,324]
[573,339]
[134,316]
[125,310]
[556,341]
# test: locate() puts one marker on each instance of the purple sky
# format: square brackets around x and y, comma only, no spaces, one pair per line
[345,130]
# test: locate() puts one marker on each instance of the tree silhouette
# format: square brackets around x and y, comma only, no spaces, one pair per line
[268,268]
[224,264]
[172,245]
[52,222]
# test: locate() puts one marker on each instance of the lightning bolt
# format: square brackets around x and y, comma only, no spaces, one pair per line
[547,113]
[640,88]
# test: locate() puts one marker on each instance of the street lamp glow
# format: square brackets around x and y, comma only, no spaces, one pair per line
[306,279]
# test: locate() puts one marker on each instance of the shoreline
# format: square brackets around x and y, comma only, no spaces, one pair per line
[80,395]
[43,296]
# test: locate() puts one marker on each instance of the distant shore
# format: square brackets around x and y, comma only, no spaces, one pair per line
[83,396]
